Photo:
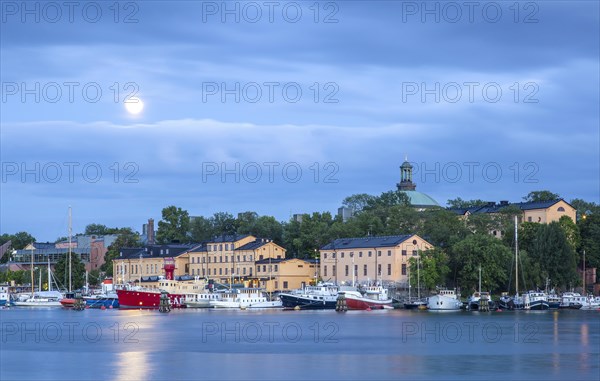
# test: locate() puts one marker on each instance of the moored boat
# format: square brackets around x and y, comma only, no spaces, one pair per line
[445,300]
[40,299]
[371,297]
[323,296]
[245,298]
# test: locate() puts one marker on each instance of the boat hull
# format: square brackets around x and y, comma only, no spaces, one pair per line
[443,303]
[306,303]
[102,302]
[133,299]
[356,303]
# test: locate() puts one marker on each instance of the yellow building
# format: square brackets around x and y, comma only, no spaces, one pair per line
[134,263]
[285,274]
[230,258]
[368,259]
[541,211]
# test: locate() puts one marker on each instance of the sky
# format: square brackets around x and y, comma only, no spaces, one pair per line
[289,107]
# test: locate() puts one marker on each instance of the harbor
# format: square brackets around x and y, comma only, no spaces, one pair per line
[304,345]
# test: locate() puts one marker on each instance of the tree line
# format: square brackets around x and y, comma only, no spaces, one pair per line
[549,253]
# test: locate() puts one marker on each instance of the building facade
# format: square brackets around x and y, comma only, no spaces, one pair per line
[370,259]
[280,274]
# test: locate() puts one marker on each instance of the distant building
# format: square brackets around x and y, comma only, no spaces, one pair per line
[148,233]
[542,212]
[297,217]
[383,258]
[406,185]
[345,213]
[89,248]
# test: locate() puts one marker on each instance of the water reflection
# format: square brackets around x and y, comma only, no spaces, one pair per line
[132,366]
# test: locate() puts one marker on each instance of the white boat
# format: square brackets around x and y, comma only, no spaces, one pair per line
[245,298]
[445,300]
[40,299]
[572,299]
[202,300]
[4,296]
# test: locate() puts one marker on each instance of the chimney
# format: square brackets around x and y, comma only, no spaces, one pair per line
[150,231]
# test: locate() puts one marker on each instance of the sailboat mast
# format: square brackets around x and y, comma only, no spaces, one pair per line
[480,279]
[516,258]
[49,276]
[419,277]
[32,286]
[70,232]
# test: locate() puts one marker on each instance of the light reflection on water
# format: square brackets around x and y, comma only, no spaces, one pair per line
[272,345]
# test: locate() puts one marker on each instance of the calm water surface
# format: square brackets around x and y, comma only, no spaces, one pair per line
[56,344]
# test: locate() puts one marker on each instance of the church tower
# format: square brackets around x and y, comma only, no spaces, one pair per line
[406,183]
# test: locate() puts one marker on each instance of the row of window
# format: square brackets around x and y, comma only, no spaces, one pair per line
[219,247]
[242,258]
[360,254]
[365,270]
[204,272]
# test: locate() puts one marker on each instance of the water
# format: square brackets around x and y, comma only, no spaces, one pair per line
[57,344]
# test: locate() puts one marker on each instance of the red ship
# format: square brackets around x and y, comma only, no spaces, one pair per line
[149,298]
[374,297]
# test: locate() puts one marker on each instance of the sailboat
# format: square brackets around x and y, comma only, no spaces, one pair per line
[475,300]
[419,303]
[531,300]
[41,298]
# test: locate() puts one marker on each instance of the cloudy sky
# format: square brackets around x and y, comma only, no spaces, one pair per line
[288,107]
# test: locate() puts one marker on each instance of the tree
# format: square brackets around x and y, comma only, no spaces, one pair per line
[357,202]
[571,232]
[584,208]
[94,277]
[99,229]
[18,242]
[485,251]
[174,226]
[558,260]
[543,195]
[223,223]
[433,268]
[589,228]
[126,238]
[61,271]
[459,203]
[201,229]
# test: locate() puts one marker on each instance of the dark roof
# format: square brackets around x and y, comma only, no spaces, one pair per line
[279,260]
[253,245]
[154,251]
[366,242]
[493,207]
[44,245]
[228,238]
[76,250]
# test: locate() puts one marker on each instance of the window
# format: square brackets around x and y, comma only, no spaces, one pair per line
[220,259]
[226,269]
[244,270]
[203,272]
[251,258]
[342,256]
[414,253]
[356,270]
[379,253]
[539,219]
[378,269]
[275,268]
[238,258]
[346,270]
[257,269]
[250,271]
[232,258]
[324,270]
[560,209]
[389,253]
[208,259]
[360,254]
[203,259]
[276,284]
[333,270]
[529,219]
[226,246]
[264,268]
[221,247]
[414,241]
[244,258]
[147,269]
[403,269]
[324,255]
[260,257]
[365,270]
[332,255]
[227,259]
[285,284]
[495,232]
[390,268]
[369,253]
[220,271]
[403,252]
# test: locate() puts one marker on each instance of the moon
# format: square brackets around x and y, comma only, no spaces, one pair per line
[134,105]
